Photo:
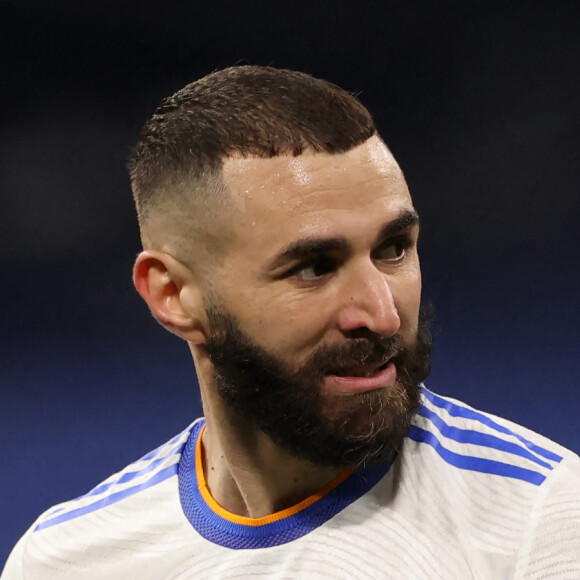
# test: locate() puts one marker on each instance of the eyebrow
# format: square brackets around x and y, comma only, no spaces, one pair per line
[406,219]
[311,246]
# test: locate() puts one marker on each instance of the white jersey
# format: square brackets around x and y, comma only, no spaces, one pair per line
[469,495]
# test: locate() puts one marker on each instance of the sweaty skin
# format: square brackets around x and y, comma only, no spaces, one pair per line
[289,306]
[284,199]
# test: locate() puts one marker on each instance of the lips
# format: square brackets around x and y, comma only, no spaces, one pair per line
[360,370]
[367,379]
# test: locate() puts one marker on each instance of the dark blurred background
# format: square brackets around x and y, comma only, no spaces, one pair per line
[478,100]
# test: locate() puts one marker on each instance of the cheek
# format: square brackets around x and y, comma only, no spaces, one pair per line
[286,324]
[407,295]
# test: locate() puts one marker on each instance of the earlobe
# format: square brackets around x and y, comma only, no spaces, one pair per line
[164,283]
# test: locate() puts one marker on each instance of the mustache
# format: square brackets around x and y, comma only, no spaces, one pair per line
[362,348]
[371,350]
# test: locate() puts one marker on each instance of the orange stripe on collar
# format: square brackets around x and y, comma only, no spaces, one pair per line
[255,522]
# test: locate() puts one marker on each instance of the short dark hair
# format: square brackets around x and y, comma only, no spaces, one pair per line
[248,110]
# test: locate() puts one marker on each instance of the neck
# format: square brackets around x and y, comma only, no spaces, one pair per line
[246,473]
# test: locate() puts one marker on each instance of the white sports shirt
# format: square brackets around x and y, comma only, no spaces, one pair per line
[469,495]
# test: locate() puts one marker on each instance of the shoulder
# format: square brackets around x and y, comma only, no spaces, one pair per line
[473,440]
[109,511]
[141,475]
[501,489]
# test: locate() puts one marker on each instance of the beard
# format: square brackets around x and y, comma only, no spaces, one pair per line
[291,407]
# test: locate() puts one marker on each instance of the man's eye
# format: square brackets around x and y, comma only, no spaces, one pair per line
[314,270]
[393,251]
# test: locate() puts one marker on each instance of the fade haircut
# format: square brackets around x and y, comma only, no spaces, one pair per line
[264,112]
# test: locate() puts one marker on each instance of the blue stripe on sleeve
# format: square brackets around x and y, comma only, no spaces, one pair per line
[129,475]
[457,411]
[474,463]
[110,499]
[478,438]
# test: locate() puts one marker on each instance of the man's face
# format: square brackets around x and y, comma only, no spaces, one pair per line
[314,311]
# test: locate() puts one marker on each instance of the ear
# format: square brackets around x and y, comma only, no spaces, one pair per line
[170,290]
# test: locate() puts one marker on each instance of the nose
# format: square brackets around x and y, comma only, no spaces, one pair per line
[368,303]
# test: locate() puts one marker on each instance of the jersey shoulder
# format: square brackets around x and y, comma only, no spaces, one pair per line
[70,527]
[151,469]
[500,490]
[467,439]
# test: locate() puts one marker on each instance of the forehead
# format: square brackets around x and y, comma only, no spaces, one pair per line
[315,193]
[294,179]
